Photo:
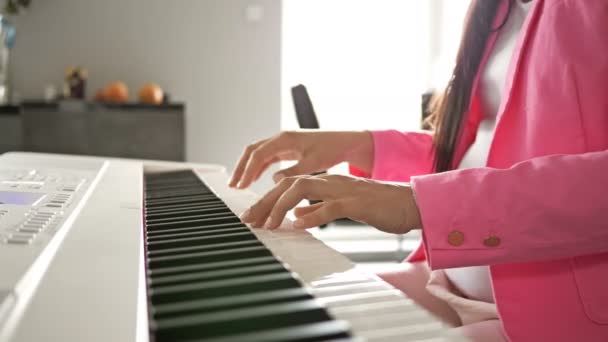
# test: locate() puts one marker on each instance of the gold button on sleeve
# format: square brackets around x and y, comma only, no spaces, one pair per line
[455,238]
[492,241]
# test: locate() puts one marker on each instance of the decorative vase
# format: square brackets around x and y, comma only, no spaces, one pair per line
[7,40]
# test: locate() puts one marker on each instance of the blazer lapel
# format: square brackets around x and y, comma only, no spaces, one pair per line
[518,51]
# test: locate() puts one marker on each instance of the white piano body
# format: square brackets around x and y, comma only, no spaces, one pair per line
[72,256]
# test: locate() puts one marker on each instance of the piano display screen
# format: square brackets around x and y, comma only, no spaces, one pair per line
[20,198]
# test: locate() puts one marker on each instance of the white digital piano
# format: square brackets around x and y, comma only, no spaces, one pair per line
[95,249]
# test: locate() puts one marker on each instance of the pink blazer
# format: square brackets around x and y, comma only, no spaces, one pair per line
[538,213]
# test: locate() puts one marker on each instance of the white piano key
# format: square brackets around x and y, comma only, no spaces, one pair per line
[404,308]
[372,323]
[431,329]
[347,289]
[363,298]
[376,311]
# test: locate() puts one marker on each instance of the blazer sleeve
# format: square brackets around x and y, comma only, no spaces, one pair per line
[544,208]
[399,156]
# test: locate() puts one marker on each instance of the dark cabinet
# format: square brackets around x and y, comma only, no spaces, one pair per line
[124,131]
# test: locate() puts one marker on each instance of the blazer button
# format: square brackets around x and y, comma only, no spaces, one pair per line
[492,241]
[455,238]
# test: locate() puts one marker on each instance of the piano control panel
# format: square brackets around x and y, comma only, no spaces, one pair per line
[33,202]
[37,202]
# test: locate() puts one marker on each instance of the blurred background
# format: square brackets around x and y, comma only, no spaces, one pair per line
[197,80]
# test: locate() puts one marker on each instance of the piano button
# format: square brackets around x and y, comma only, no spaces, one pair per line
[204,257]
[43,214]
[29,230]
[19,240]
[217,275]
[219,288]
[33,225]
[211,266]
[38,221]
[232,322]
[230,302]
[250,241]
[337,331]
[25,235]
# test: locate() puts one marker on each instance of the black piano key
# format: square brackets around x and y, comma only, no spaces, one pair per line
[186,199]
[206,228]
[175,192]
[232,322]
[181,218]
[193,223]
[211,266]
[205,257]
[205,234]
[169,243]
[204,248]
[219,288]
[182,279]
[230,302]
[160,207]
[182,212]
[207,237]
[158,184]
[209,276]
[336,331]
[185,206]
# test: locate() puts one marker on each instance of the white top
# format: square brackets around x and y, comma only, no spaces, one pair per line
[474,282]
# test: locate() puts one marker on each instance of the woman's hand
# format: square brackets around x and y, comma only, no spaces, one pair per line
[315,151]
[388,207]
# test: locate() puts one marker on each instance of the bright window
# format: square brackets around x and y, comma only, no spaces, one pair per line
[364,62]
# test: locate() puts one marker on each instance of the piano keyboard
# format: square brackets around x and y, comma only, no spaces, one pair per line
[211,278]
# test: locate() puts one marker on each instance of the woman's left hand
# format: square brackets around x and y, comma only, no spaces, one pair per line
[386,206]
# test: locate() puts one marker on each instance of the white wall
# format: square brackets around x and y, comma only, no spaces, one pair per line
[204,52]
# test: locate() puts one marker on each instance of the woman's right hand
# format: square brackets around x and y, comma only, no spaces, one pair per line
[314,151]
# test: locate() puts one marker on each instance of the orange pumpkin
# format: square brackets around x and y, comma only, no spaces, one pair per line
[151,93]
[116,92]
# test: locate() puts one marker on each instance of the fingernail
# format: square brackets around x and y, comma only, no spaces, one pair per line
[245,215]
[298,223]
[268,224]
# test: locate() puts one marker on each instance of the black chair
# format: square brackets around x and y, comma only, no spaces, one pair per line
[307,118]
[305,112]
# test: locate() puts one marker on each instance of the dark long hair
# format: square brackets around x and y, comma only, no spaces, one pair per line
[451,106]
